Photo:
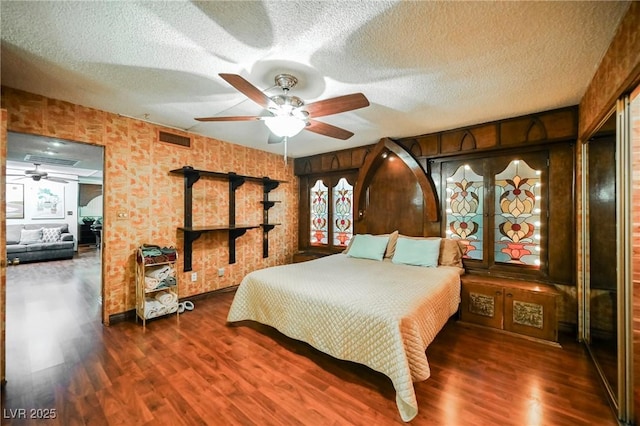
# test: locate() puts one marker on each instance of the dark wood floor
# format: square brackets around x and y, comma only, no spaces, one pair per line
[198,370]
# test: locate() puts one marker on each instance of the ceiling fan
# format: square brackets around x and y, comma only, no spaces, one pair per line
[287,115]
[37,175]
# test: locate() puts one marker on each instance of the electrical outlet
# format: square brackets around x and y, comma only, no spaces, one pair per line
[221,272]
[194,276]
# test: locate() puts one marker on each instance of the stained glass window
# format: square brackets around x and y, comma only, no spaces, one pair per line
[342,213]
[319,213]
[464,210]
[517,215]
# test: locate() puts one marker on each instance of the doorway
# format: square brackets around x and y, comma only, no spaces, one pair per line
[52,306]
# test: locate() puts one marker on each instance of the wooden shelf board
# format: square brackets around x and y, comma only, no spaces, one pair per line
[210,228]
[220,175]
[155,290]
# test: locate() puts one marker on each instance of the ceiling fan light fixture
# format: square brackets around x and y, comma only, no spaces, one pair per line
[284,125]
[289,114]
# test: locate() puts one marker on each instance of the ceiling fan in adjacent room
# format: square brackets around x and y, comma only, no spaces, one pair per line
[287,115]
[37,175]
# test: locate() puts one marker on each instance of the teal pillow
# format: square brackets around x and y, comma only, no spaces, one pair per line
[417,252]
[368,246]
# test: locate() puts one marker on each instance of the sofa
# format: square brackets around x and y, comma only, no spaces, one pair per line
[33,242]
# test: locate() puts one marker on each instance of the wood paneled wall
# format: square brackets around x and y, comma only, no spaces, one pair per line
[385,198]
[619,71]
[541,128]
[529,130]
[395,196]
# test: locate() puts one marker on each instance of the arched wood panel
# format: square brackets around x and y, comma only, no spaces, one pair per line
[394,192]
[394,200]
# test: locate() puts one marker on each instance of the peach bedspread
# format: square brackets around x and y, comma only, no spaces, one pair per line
[375,313]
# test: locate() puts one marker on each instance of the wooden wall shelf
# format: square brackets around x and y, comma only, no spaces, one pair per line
[191,233]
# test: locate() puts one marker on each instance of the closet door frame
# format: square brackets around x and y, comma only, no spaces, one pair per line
[624,258]
[622,397]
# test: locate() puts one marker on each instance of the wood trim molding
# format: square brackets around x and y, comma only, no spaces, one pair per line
[370,166]
[545,127]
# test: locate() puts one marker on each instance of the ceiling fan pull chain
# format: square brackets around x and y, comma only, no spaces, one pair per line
[286,139]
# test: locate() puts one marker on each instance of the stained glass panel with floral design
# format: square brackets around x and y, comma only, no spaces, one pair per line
[342,213]
[464,210]
[517,215]
[319,213]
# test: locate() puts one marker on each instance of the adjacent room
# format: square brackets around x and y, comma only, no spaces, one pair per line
[287,212]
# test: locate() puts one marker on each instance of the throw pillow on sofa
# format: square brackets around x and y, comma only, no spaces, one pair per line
[51,235]
[31,236]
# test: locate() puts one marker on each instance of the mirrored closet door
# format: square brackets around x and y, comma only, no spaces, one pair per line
[601,239]
[608,308]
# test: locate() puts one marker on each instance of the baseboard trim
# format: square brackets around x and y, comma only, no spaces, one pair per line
[131,314]
[510,333]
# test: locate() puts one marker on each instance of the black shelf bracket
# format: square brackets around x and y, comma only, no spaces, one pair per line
[233,235]
[189,238]
[266,227]
[235,181]
[268,204]
[269,184]
[191,176]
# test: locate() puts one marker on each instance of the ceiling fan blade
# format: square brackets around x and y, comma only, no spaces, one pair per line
[337,105]
[274,139]
[248,89]
[54,179]
[236,118]
[328,130]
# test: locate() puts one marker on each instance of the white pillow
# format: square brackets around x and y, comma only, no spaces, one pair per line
[51,235]
[423,252]
[368,246]
[30,236]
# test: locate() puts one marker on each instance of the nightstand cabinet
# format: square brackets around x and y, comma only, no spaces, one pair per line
[521,307]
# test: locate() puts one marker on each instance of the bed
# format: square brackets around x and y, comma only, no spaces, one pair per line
[374,312]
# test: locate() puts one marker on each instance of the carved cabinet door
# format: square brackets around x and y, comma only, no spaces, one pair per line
[482,304]
[530,313]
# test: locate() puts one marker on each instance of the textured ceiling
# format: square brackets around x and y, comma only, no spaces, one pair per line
[424,66]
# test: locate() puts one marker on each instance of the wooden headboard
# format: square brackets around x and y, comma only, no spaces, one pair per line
[393,193]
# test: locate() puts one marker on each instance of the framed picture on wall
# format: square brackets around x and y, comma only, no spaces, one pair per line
[15,201]
[49,201]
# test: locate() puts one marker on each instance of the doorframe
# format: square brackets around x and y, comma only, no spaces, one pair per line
[4,131]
